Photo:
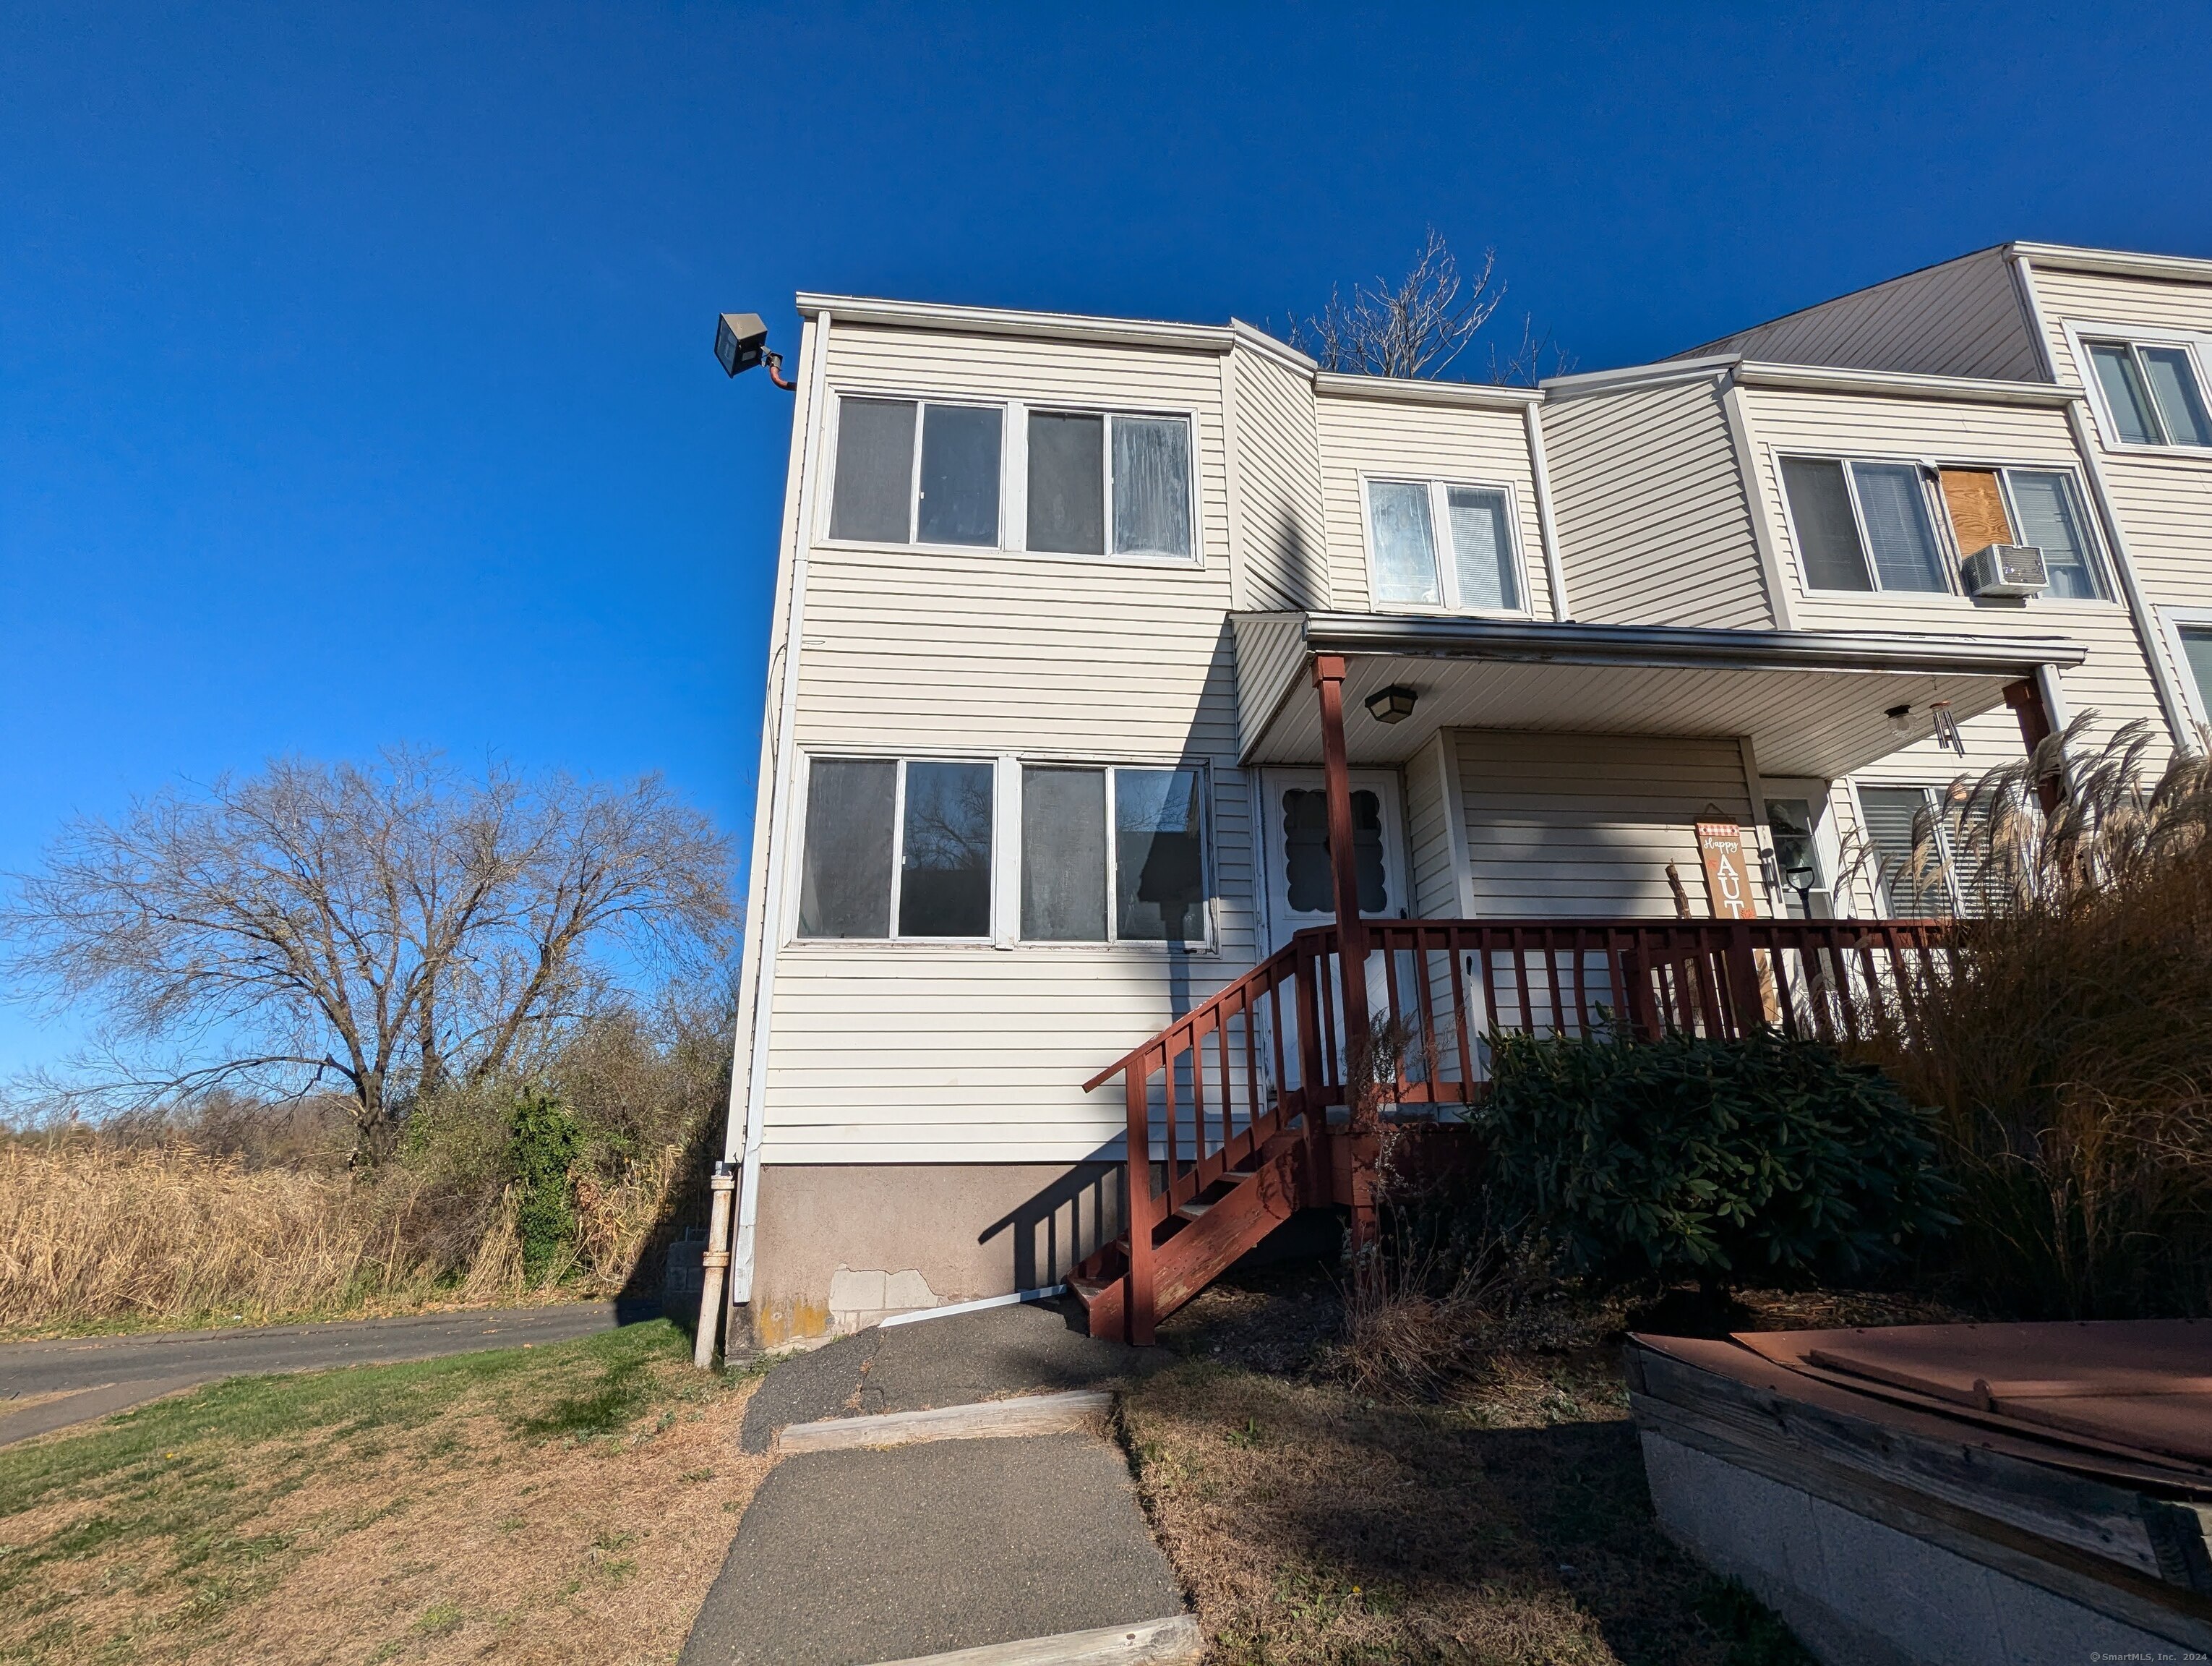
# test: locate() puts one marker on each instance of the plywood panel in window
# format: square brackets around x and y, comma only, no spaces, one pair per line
[1977,510]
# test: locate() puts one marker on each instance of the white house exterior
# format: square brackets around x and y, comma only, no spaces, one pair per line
[1042,769]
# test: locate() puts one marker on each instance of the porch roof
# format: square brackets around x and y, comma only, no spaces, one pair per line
[1811,703]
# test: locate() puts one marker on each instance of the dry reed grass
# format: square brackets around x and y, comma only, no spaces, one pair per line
[94,1231]
[2069,1054]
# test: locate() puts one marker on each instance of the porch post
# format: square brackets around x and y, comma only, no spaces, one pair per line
[1336,780]
[2025,699]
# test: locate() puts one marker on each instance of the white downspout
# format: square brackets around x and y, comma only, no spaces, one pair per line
[2171,705]
[771,818]
[1554,569]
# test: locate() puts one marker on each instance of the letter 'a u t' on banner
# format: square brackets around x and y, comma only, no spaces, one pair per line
[1728,879]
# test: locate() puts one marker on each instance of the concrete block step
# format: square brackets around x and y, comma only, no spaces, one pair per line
[1077,1410]
[1170,1642]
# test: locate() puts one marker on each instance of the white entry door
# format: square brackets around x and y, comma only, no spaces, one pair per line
[1294,845]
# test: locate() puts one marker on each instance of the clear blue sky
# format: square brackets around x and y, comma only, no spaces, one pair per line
[355,370]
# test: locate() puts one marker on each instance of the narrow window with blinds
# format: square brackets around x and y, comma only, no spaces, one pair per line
[1863,526]
[1908,847]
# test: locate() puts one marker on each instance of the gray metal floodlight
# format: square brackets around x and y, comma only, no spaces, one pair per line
[741,341]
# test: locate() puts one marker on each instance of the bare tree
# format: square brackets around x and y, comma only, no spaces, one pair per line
[383,928]
[1526,364]
[1417,327]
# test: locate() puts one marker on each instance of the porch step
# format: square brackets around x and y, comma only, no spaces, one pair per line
[1196,1244]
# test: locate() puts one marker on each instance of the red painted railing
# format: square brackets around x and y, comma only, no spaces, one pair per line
[1207,1091]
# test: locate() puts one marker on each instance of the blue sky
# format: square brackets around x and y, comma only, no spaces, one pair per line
[355,371]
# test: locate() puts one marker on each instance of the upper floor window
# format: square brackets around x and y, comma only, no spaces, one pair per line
[931,472]
[1863,526]
[2153,392]
[1101,484]
[891,490]
[1432,543]
[2040,507]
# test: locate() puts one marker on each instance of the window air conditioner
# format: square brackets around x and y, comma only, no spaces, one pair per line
[2005,569]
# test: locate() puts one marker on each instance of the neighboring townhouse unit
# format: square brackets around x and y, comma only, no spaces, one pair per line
[1137,685]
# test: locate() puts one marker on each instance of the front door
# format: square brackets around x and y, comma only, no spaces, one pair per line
[1294,845]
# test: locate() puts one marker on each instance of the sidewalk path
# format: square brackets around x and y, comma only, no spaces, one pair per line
[896,1553]
[77,1377]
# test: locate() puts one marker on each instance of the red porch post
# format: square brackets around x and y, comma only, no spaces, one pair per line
[1353,1154]
[2025,699]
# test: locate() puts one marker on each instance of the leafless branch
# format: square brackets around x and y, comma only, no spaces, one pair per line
[387,925]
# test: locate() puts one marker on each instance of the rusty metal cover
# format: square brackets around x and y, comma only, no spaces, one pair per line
[2140,1386]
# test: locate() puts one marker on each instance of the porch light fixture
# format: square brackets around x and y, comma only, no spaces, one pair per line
[1393,705]
[1897,716]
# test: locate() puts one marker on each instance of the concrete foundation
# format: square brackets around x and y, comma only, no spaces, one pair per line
[1860,1593]
[839,1247]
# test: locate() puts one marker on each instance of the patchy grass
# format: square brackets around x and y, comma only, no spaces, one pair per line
[562,1504]
[1504,1521]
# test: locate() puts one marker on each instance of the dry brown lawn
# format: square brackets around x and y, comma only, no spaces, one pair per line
[1505,1521]
[557,1504]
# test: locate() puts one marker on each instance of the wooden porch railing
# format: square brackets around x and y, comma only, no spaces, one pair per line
[1268,1051]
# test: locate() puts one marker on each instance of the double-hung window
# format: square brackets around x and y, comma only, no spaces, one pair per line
[1432,544]
[1104,483]
[2038,506]
[1863,526]
[1113,856]
[2153,392]
[898,848]
[916,472]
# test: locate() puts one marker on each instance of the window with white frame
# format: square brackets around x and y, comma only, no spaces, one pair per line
[1103,482]
[2193,642]
[2038,506]
[1436,544]
[1113,855]
[897,849]
[1917,834]
[901,849]
[2153,392]
[916,472]
[1862,525]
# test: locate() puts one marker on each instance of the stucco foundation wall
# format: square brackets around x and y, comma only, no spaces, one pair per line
[841,1246]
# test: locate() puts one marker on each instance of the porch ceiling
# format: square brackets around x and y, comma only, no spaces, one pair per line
[1812,703]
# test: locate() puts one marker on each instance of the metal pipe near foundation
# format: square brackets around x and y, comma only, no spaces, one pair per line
[714,1263]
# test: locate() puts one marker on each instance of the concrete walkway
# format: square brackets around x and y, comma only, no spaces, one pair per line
[1032,1548]
[80,1378]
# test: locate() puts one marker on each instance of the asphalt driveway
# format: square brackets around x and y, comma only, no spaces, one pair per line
[78,1377]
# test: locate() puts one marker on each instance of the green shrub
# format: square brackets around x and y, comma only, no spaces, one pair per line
[1764,1159]
[544,1141]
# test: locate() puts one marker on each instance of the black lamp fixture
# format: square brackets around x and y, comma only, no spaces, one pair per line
[741,342]
[1392,705]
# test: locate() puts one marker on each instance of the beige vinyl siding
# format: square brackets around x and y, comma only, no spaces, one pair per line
[2164,501]
[1653,523]
[1416,440]
[1271,655]
[1284,542]
[1583,825]
[1963,317]
[2113,681]
[885,1053]
[1433,885]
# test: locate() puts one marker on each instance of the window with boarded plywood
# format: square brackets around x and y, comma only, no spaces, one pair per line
[1976,501]
[2037,507]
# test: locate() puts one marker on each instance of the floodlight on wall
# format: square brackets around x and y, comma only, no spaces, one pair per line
[741,342]
[1393,705]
